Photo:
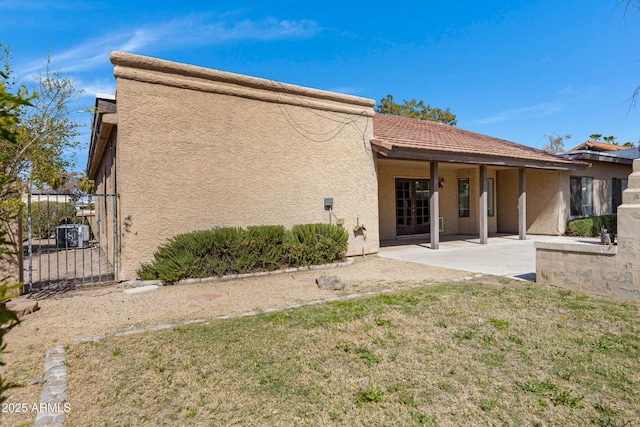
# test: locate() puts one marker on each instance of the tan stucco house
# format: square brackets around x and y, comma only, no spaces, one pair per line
[187,148]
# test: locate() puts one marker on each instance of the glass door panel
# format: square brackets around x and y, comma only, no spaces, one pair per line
[412,206]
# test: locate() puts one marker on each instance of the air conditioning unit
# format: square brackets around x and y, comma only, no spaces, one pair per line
[72,236]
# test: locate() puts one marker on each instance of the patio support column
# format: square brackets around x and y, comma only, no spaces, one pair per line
[522,204]
[434,206]
[483,205]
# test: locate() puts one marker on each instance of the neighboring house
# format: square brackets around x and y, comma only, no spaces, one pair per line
[187,148]
[82,205]
[598,189]
[45,197]
[598,147]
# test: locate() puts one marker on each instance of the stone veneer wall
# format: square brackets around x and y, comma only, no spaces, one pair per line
[603,270]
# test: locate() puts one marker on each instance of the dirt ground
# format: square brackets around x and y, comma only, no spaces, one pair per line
[65,316]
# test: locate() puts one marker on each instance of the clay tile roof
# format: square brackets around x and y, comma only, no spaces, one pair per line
[394,132]
[598,146]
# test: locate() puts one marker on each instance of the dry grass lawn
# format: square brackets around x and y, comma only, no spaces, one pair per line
[485,352]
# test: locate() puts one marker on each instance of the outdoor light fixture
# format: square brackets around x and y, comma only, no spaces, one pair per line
[441,184]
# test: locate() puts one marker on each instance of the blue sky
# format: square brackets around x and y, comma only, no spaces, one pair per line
[517,70]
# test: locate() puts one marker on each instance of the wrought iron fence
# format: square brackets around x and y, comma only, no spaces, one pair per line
[69,240]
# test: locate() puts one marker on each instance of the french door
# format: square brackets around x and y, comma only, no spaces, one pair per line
[412,206]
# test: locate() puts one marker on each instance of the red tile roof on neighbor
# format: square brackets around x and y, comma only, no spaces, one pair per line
[401,137]
[598,146]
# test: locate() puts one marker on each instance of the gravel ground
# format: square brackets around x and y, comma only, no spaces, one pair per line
[78,313]
[83,312]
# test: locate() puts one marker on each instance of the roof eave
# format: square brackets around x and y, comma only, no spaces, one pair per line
[598,157]
[104,118]
[99,138]
[407,153]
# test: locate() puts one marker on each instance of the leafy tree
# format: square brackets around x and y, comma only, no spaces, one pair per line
[35,133]
[629,144]
[595,136]
[45,132]
[556,143]
[71,183]
[84,184]
[611,140]
[415,110]
[10,107]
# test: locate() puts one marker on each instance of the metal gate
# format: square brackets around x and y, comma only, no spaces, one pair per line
[70,240]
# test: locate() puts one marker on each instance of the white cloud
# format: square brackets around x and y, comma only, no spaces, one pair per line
[267,29]
[582,92]
[90,89]
[346,90]
[538,110]
[186,31]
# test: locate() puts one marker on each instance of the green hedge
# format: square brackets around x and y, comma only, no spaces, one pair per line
[590,227]
[222,251]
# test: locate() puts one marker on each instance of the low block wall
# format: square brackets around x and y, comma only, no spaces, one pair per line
[586,267]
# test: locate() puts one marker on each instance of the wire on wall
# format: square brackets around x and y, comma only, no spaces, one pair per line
[326,136]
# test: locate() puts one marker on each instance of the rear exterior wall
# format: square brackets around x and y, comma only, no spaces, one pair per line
[196,159]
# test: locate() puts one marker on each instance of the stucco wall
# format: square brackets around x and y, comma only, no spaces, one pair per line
[545,200]
[507,200]
[198,149]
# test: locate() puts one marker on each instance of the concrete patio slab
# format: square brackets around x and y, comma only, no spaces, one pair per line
[501,256]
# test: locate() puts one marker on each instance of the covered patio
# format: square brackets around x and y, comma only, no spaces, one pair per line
[504,255]
[471,183]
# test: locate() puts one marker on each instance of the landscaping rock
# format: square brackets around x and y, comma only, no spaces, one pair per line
[141,289]
[23,306]
[135,283]
[329,283]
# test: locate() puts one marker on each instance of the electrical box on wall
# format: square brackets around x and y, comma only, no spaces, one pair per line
[328,202]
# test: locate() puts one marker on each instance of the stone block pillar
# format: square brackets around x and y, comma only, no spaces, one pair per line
[629,226]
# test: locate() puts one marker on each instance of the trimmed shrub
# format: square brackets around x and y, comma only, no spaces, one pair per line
[46,216]
[268,243]
[312,244]
[224,251]
[590,226]
[182,256]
